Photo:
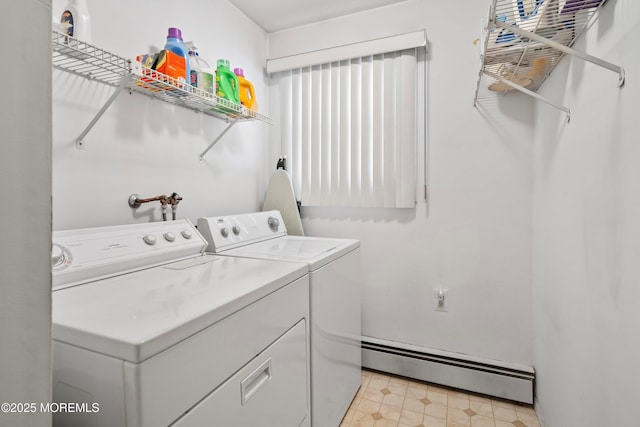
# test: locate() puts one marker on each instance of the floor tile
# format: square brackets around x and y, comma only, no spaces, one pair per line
[482,421]
[482,408]
[456,416]
[458,402]
[416,393]
[430,421]
[529,420]
[504,414]
[411,418]
[368,406]
[398,387]
[378,383]
[373,394]
[436,411]
[390,412]
[392,401]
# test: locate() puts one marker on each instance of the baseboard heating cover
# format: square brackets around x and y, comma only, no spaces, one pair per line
[493,378]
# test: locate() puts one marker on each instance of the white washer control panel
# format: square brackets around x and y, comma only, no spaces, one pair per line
[92,253]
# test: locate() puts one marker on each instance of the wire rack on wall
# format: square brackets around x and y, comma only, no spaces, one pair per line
[86,60]
[524,40]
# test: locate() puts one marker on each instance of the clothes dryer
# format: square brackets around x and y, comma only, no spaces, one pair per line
[335,299]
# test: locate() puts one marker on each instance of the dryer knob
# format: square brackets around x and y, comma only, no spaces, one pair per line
[236,230]
[150,239]
[186,234]
[169,236]
[274,223]
[224,232]
[57,255]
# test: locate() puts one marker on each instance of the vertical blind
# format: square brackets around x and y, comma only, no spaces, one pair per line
[349,130]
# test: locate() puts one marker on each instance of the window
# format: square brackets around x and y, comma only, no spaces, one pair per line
[348,129]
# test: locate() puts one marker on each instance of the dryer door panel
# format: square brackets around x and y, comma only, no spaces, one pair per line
[270,390]
[186,373]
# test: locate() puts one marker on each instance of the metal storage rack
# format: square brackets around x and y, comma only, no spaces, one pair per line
[83,59]
[524,40]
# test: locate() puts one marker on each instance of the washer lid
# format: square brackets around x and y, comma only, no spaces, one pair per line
[137,315]
[314,251]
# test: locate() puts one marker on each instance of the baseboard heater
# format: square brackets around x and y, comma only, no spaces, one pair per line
[478,376]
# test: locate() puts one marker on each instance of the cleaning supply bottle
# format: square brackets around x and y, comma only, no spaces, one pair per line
[247,93]
[226,82]
[75,20]
[176,45]
[201,75]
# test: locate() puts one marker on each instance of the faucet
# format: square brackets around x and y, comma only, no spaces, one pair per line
[135,201]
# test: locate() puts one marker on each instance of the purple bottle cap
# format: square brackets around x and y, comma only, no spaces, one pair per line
[175,33]
[238,72]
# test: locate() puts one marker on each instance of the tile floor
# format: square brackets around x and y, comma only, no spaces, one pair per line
[389,401]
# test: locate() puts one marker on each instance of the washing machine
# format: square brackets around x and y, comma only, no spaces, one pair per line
[335,299]
[149,331]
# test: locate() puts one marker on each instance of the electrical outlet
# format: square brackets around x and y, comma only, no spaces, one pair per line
[440,295]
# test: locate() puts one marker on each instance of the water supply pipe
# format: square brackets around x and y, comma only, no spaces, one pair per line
[135,202]
[174,199]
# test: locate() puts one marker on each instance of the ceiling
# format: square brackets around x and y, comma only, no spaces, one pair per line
[276,15]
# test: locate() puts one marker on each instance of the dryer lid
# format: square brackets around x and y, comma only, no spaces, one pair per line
[137,315]
[314,251]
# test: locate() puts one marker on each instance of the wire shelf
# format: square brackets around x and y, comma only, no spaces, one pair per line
[174,91]
[77,57]
[523,39]
[80,58]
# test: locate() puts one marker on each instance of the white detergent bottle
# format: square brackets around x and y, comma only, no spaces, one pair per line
[75,20]
[201,75]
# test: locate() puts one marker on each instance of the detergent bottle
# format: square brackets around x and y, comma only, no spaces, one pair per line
[247,93]
[226,82]
[176,45]
[201,76]
[75,20]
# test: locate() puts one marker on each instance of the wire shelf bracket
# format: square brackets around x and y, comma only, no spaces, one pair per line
[530,93]
[114,95]
[215,141]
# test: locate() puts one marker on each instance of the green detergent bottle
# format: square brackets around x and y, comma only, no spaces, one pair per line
[227,86]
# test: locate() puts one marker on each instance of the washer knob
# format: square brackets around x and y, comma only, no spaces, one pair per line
[225,232]
[186,234]
[236,230]
[150,239]
[57,256]
[169,236]
[274,223]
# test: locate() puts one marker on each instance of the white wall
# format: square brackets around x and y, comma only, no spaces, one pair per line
[474,236]
[587,233]
[148,147]
[25,181]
